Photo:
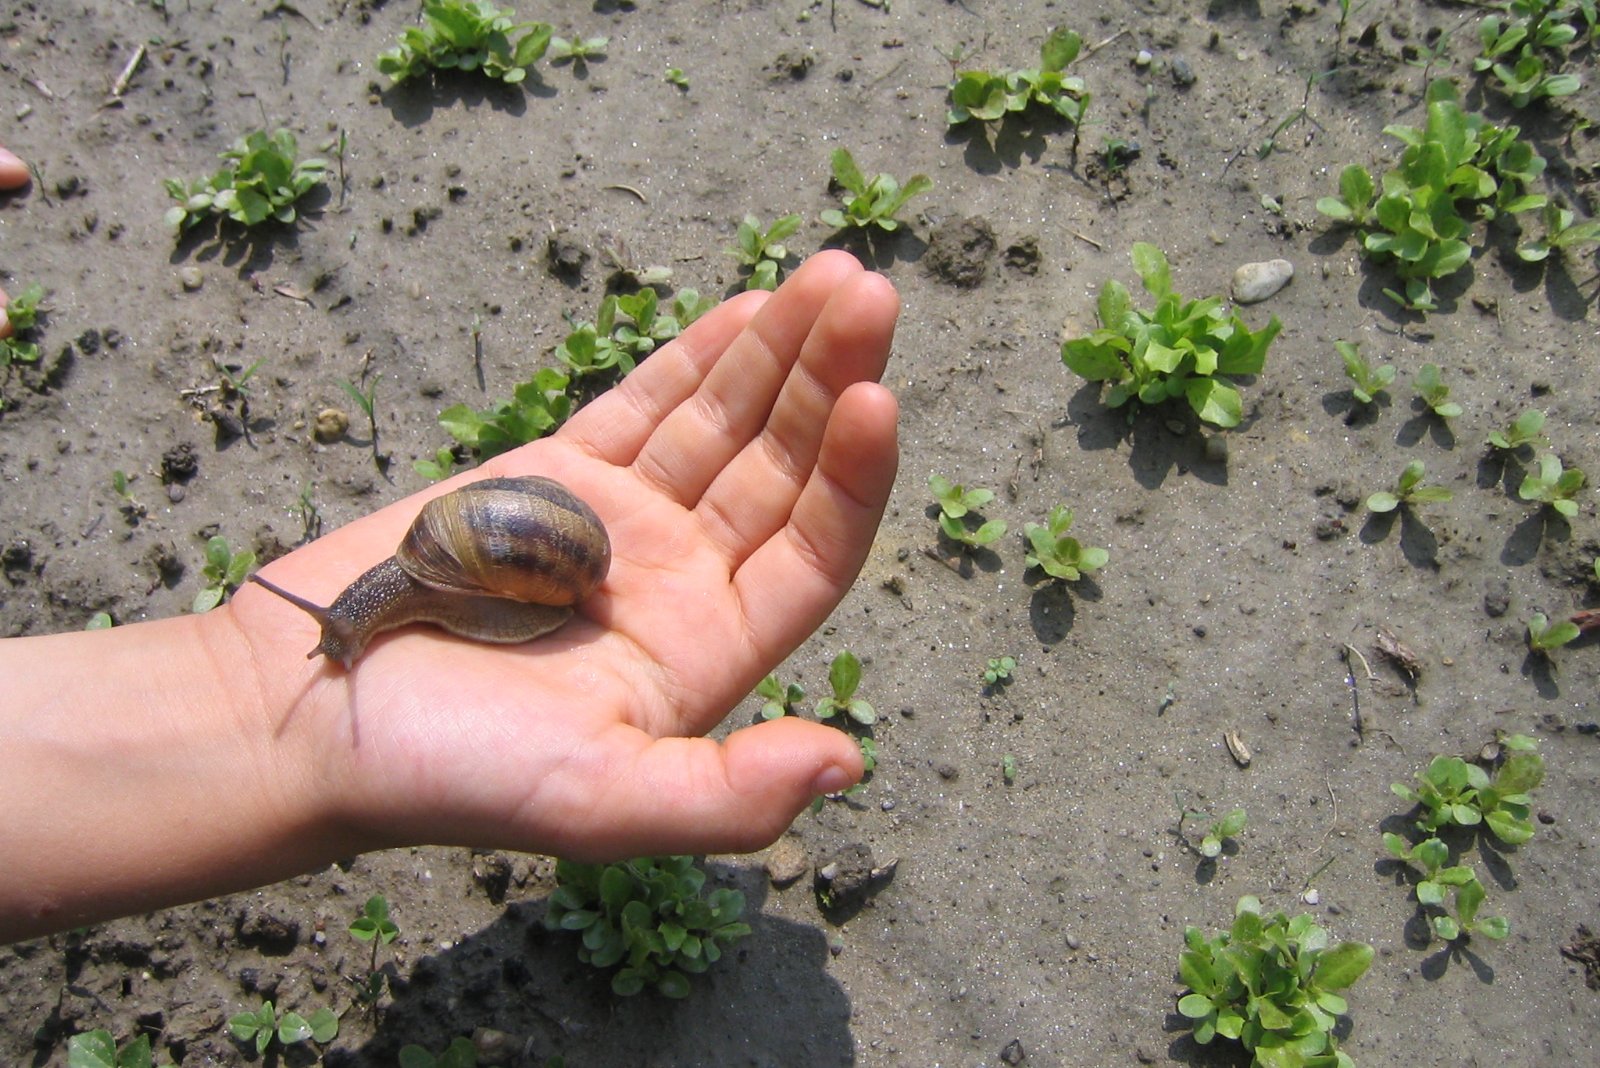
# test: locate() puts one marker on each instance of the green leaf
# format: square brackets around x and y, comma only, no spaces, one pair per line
[92,1049]
[1341,966]
[1151,264]
[1215,401]
[844,675]
[846,173]
[1195,1006]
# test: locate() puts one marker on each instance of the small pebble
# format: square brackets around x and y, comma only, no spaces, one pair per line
[1255,282]
[191,278]
[1182,73]
[331,425]
[1143,58]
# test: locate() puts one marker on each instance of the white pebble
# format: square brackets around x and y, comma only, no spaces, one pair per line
[1255,282]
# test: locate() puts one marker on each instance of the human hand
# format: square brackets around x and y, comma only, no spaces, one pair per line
[741,472]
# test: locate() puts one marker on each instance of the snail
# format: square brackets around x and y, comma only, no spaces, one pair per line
[502,560]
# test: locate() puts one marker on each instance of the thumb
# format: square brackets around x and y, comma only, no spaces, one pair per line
[696,795]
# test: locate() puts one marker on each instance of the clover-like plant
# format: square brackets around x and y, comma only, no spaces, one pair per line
[1367,383]
[460,1053]
[1544,637]
[1560,234]
[874,203]
[1550,484]
[260,180]
[844,678]
[223,571]
[1451,791]
[1408,490]
[1438,879]
[376,927]
[988,96]
[577,50]
[781,699]
[99,1049]
[1058,554]
[1273,985]
[1434,393]
[998,671]
[763,251]
[1525,429]
[1217,832]
[264,1024]
[536,408]
[467,35]
[1179,348]
[648,918]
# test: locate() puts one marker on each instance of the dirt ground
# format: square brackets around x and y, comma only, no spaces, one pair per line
[1037,921]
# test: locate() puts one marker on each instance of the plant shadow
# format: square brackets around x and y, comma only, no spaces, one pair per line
[1526,538]
[1021,136]
[879,249]
[1052,606]
[413,101]
[1418,544]
[1425,422]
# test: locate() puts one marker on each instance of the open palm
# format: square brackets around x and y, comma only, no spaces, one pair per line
[741,473]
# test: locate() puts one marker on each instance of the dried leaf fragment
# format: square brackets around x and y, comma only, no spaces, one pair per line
[1237,749]
[1398,653]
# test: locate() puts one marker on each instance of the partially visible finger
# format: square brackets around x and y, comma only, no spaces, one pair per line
[5,322]
[755,494]
[616,425]
[789,585]
[13,172]
[697,440]
[694,795]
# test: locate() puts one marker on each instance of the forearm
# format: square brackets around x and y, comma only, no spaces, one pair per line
[142,767]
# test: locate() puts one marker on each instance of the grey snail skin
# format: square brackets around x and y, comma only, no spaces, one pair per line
[502,560]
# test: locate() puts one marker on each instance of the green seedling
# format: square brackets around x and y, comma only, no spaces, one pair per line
[100,621]
[675,76]
[1368,383]
[1056,553]
[1409,490]
[763,251]
[132,510]
[874,203]
[781,699]
[578,51]
[1272,985]
[1455,169]
[367,402]
[22,312]
[1217,832]
[264,1024]
[988,97]
[1438,879]
[223,571]
[1525,429]
[460,1053]
[955,500]
[1451,791]
[844,678]
[1511,48]
[1550,484]
[1544,637]
[441,467]
[99,1049]
[1008,769]
[1559,234]
[981,537]
[536,408]
[374,926]
[998,671]
[628,328]
[1179,348]
[310,514]
[260,180]
[648,918]
[467,35]
[1434,393]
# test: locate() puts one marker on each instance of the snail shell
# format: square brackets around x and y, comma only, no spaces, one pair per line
[502,560]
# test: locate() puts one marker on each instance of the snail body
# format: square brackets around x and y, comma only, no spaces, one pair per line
[502,560]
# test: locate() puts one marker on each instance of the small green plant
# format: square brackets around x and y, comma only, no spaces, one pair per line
[1008,769]
[1179,348]
[131,508]
[460,1053]
[675,76]
[1544,637]
[987,97]
[955,503]
[223,571]
[441,467]
[1451,791]
[467,35]
[1058,554]
[781,699]
[367,401]
[1512,48]
[1218,831]
[1559,234]
[536,408]
[578,51]
[874,203]
[260,180]
[1368,383]
[763,251]
[1273,985]
[1438,878]
[100,621]
[264,1024]
[998,671]
[1434,393]
[844,678]
[1550,484]
[648,918]
[1525,429]
[628,328]
[373,926]
[1409,490]
[99,1049]
[22,312]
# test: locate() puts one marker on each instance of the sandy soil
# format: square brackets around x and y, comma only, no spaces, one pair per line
[1035,921]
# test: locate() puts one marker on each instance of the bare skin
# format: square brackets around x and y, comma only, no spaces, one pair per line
[741,471]
[13,175]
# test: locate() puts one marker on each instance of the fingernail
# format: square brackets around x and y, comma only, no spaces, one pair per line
[831,780]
